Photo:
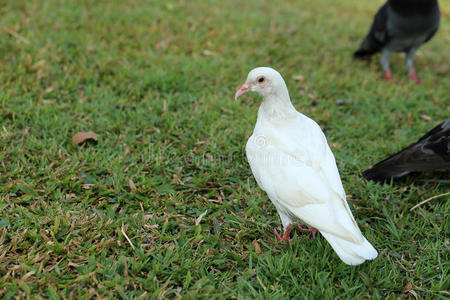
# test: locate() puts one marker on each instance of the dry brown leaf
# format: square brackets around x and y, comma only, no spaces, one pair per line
[39,65]
[209,53]
[70,196]
[426,117]
[82,99]
[299,78]
[257,247]
[210,157]
[408,290]
[132,186]
[72,264]
[127,150]
[27,60]
[82,137]
[336,145]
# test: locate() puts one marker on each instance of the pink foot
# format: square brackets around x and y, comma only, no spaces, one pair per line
[312,230]
[285,235]
[387,75]
[413,76]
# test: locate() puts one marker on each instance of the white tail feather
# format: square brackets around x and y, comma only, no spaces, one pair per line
[350,253]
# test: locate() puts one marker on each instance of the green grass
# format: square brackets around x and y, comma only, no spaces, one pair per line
[156,79]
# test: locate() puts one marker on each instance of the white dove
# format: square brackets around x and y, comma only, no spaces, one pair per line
[292,162]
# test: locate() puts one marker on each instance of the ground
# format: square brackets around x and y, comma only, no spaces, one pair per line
[165,205]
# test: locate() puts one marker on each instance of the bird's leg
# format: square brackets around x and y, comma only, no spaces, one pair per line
[285,236]
[312,230]
[410,64]
[384,61]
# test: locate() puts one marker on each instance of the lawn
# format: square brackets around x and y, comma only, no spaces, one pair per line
[165,205]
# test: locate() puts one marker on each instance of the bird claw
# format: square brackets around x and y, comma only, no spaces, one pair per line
[387,75]
[412,75]
[312,230]
[415,78]
[285,236]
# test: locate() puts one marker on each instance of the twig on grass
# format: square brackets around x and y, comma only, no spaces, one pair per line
[126,236]
[15,34]
[199,219]
[428,200]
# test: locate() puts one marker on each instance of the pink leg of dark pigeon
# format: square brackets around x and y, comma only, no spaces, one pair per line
[384,60]
[387,75]
[410,64]
[285,236]
[312,230]
[412,75]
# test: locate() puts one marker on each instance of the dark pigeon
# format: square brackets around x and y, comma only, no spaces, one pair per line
[401,26]
[431,152]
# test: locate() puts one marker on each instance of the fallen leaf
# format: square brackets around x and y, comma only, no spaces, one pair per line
[408,290]
[257,247]
[40,74]
[127,150]
[39,65]
[72,264]
[210,157]
[336,145]
[209,53]
[132,186]
[29,274]
[299,78]
[27,60]
[70,196]
[426,117]
[82,137]
[409,119]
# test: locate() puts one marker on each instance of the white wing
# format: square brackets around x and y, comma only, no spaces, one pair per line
[306,183]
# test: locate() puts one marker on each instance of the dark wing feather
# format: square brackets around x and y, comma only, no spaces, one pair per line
[431,34]
[436,16]
[430,152]
[378,35]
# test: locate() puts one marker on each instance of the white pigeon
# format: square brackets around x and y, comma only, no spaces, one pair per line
[292,162]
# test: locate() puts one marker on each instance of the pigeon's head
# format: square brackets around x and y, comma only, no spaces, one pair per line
[264,81]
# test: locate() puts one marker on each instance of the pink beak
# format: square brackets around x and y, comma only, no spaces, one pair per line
[242,90]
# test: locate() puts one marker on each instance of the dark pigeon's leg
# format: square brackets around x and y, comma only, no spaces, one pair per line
[384,61]
[410,63]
